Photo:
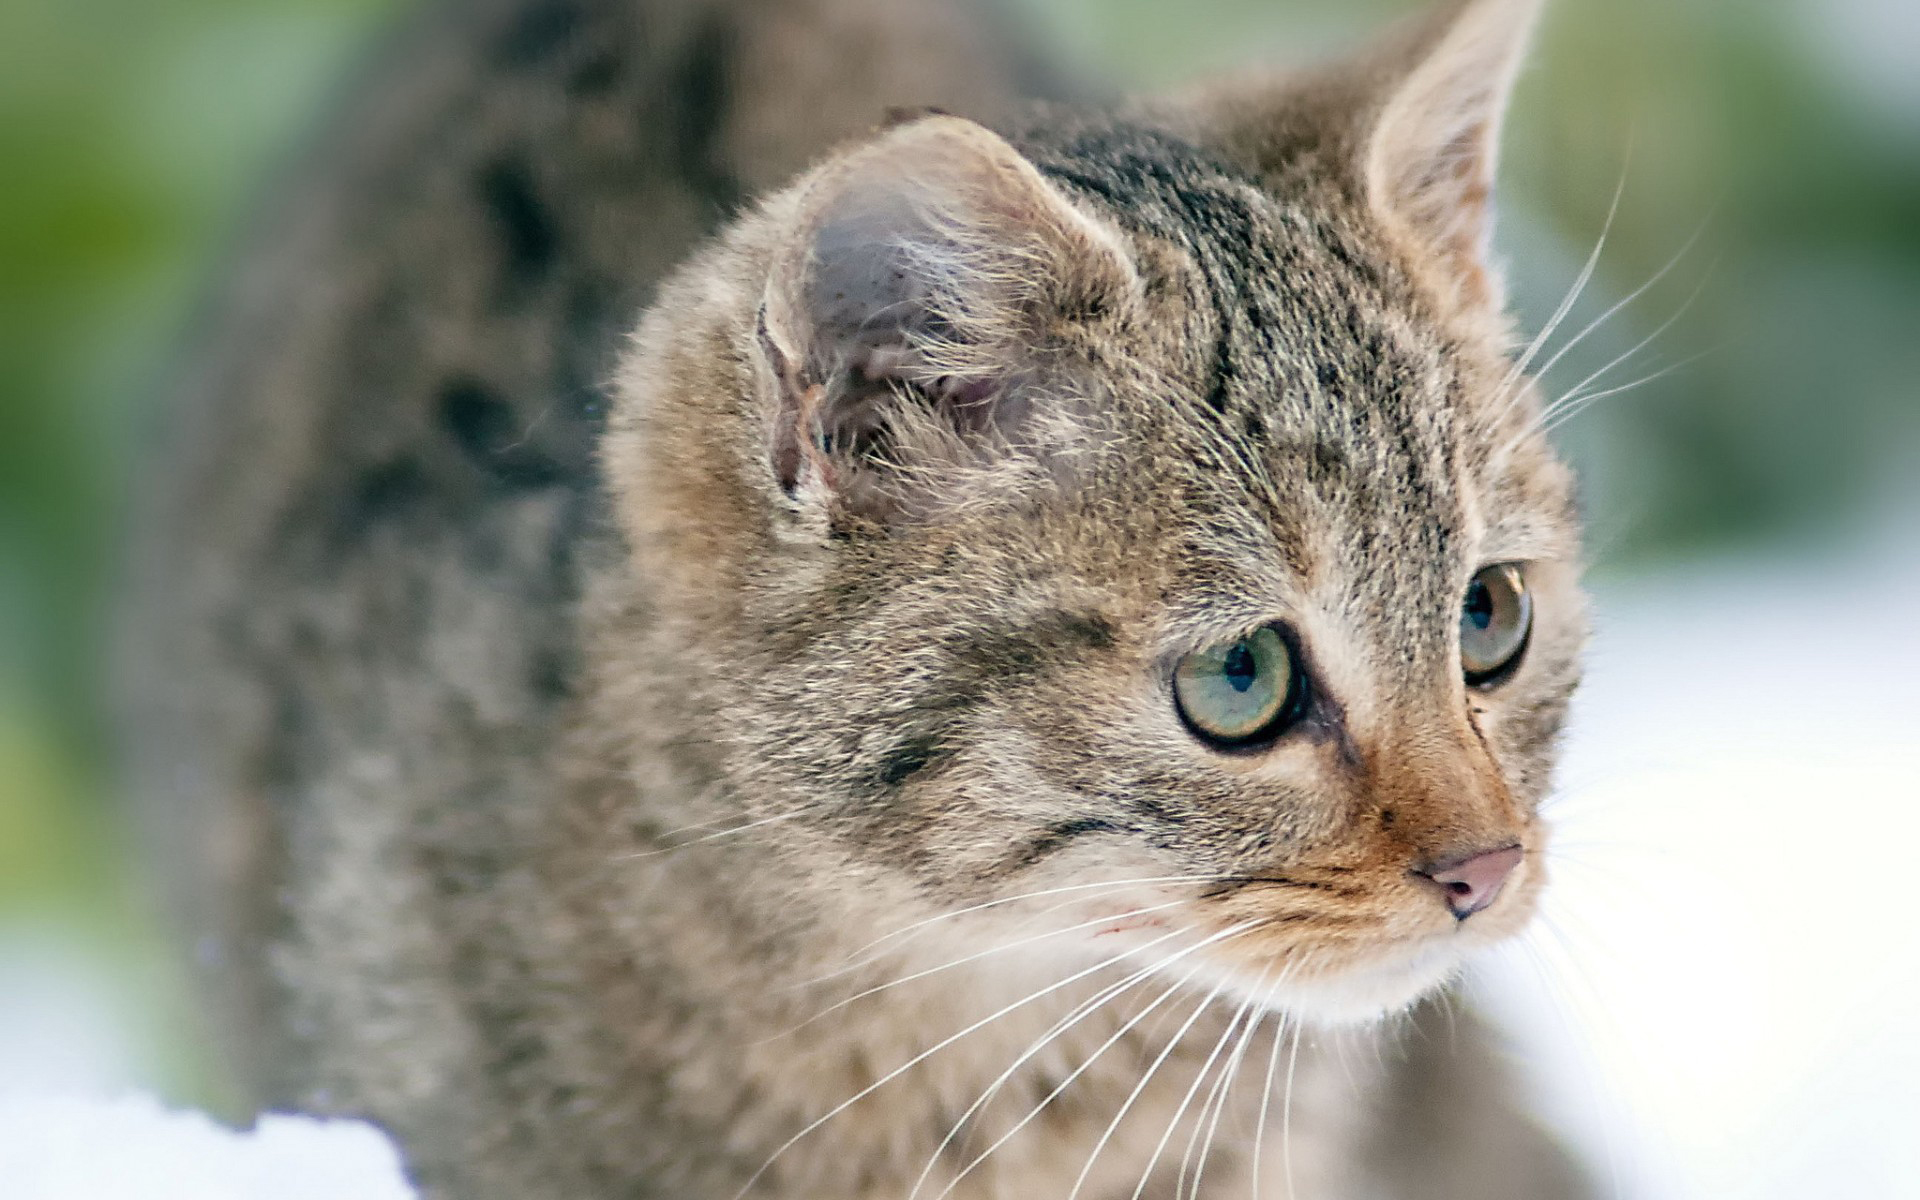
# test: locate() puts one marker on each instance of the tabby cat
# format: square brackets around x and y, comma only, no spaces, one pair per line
[1048,650]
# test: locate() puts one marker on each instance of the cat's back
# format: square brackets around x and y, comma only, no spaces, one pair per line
[349,631]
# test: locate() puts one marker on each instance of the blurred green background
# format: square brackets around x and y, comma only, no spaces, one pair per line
[135,135]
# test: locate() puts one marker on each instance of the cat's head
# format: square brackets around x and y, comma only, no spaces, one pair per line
[1142,498]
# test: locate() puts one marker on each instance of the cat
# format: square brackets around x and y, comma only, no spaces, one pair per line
[1041,663]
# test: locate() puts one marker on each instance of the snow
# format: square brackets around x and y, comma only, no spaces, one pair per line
[130,1148]
[1718,1002]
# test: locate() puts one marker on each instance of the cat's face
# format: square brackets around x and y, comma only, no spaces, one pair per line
[1140,524]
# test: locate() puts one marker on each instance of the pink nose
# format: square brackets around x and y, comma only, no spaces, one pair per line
[1473,882]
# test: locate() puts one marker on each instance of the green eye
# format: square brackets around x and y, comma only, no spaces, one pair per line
[1495,620]
[1238,691]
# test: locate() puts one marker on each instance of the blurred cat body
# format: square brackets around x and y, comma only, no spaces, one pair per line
[797,807]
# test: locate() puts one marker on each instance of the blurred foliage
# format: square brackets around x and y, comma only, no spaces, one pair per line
[135,134]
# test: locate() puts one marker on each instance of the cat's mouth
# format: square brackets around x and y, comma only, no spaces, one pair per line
[1373,953]
[1355,967]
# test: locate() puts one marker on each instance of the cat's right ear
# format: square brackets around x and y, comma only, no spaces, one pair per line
[909,313]
[1411,125]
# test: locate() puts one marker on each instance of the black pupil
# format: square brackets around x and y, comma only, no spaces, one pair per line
[1240,667]
[1479,607]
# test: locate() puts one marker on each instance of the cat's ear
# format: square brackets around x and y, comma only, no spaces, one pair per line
[1414,125]
[909,312]
[1433,151]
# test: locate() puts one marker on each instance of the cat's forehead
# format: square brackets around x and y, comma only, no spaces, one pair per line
[1321,423]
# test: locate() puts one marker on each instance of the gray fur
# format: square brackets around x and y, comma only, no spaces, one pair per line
[545,804]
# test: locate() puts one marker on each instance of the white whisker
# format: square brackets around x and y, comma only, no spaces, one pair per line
[949,1040]
[1000,948]
[1534,948]
[1286,1116]
[1266,1090]
[1678,255]
[1257,1014]
[1124,1029]
[1133,1096]
[974,908]
[1160,1147]
[1197,1137]
[1585,402]
[1519,369]
[711,837]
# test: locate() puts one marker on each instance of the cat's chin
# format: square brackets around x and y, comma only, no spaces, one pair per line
[1369,992]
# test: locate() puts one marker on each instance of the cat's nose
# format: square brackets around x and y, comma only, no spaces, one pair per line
[1470,884]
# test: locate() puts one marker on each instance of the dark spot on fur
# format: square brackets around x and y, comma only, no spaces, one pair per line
[909,758]
[550,676]
[904,114]
[1148,807]
[595,76]
[1253,428]
[480,421]
[485,427]
[1017,654]
[1329,461]
[1387,818]
[386,490]
[1090,630]
[1057,837]
[526,228]
[537,33]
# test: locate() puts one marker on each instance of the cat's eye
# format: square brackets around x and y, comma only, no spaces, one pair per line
[1239,692]
[1495,621]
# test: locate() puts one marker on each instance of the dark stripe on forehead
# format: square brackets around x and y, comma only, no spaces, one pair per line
[1287,292]
[1166,187]
[1311,384]
[1016,652]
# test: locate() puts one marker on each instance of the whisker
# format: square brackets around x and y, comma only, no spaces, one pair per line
[711,837]
[1286,1116]
[1196,1136]
[1585,402]
[1124,1029]
[1572,297]
[1266,1090]
[1001,948]
[949,1040]
[1257,1014]
[1133,1096]
[974,908]
[1445,996]
[1678,256]
[1160,1147]
[1084,1009]
[1568,397]
[1559,985]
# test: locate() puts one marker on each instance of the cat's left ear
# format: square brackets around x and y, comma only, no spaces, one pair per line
[924,289]
[1413,125]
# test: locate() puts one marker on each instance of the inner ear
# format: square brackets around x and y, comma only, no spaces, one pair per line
[1433,150]
[905,315]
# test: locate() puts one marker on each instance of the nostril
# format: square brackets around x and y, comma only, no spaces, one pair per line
[1472,883]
